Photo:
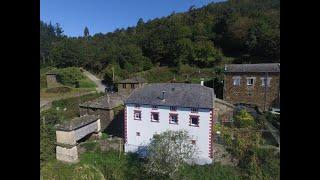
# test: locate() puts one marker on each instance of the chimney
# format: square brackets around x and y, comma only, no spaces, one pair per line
[202,81]
[163,95]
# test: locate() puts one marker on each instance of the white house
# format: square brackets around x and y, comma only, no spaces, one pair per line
[158,107]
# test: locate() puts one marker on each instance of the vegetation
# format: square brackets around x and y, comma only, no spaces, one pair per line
[129,166]
[243,119]
[168,151]
[245,30]
[53,116]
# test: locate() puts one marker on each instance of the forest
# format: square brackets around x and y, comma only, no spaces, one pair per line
[236,31]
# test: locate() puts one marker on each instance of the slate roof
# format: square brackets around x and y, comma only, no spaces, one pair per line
[177,94]
[134,80]
[268,67]
[102,102]
[77,122]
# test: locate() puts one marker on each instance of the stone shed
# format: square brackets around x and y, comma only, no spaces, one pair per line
[71,132]
[104,107]
[126,86]
[52,79]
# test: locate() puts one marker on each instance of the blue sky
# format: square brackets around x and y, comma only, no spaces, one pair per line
[107,15]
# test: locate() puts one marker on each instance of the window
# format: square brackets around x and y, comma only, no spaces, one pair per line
[137,105]
[250,81]
[154,116]
[132,86]
[265,81]
[236,80]
[137,115]
[154,107]
[194,121]
[123,86]
[194,110]
[193,142]
[138,133]
[173,118]
[173,108]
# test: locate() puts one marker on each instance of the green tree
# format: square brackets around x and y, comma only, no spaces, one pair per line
[168,151]
[86,32]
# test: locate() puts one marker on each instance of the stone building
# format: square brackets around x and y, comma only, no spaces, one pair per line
[52,79]
[255,84]
[126,86]
[104,107]
[69,133]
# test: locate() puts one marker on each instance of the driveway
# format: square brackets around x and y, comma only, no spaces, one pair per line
[100,87]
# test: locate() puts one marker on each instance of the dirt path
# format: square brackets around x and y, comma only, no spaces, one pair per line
[100,87]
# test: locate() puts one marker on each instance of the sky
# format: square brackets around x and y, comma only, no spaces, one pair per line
[107,15]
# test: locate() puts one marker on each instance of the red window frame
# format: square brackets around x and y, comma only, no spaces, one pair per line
[173,114]
[190,120]
[151,118]
[134,115]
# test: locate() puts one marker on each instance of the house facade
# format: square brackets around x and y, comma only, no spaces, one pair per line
[255,84]
[155,108]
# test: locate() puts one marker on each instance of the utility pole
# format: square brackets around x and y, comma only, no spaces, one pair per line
[113,74]
[265,90]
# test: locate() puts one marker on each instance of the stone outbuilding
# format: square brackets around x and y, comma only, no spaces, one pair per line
[104,107]
[52,79]
[126,86]
[69,133]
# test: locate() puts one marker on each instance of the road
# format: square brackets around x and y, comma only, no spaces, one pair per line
[100,87]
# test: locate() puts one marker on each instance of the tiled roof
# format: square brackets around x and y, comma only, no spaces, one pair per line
[134,80]
[77,122]
[176,94]
[102,102]
[269,67]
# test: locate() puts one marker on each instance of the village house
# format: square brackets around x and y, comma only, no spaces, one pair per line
[125,87]
[255,84]
[158,107]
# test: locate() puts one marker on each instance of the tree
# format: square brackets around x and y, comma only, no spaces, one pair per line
[168,151]
[86,32]
[58,30]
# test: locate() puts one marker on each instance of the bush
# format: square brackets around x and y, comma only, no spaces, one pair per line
[85,83]
[89,146]
[60,89]
[243,119]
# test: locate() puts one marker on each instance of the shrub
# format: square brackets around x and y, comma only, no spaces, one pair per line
[90,146]
[60,89]
[85,83]
[243,119]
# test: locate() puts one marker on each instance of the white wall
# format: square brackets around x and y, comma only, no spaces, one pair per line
[147,128]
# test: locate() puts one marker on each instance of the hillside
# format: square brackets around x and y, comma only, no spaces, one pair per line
[238,31]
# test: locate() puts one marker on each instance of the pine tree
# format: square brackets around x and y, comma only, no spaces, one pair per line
[86,32]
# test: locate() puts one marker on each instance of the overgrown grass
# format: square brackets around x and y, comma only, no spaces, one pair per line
[113,165]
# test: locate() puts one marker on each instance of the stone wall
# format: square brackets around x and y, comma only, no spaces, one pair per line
[67,154]
[263,97]
[223,110]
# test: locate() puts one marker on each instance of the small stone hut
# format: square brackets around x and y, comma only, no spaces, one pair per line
[70,132]
[104,107]
[52,79]
[125,87]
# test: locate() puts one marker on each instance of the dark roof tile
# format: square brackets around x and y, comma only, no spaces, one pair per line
[268,67]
